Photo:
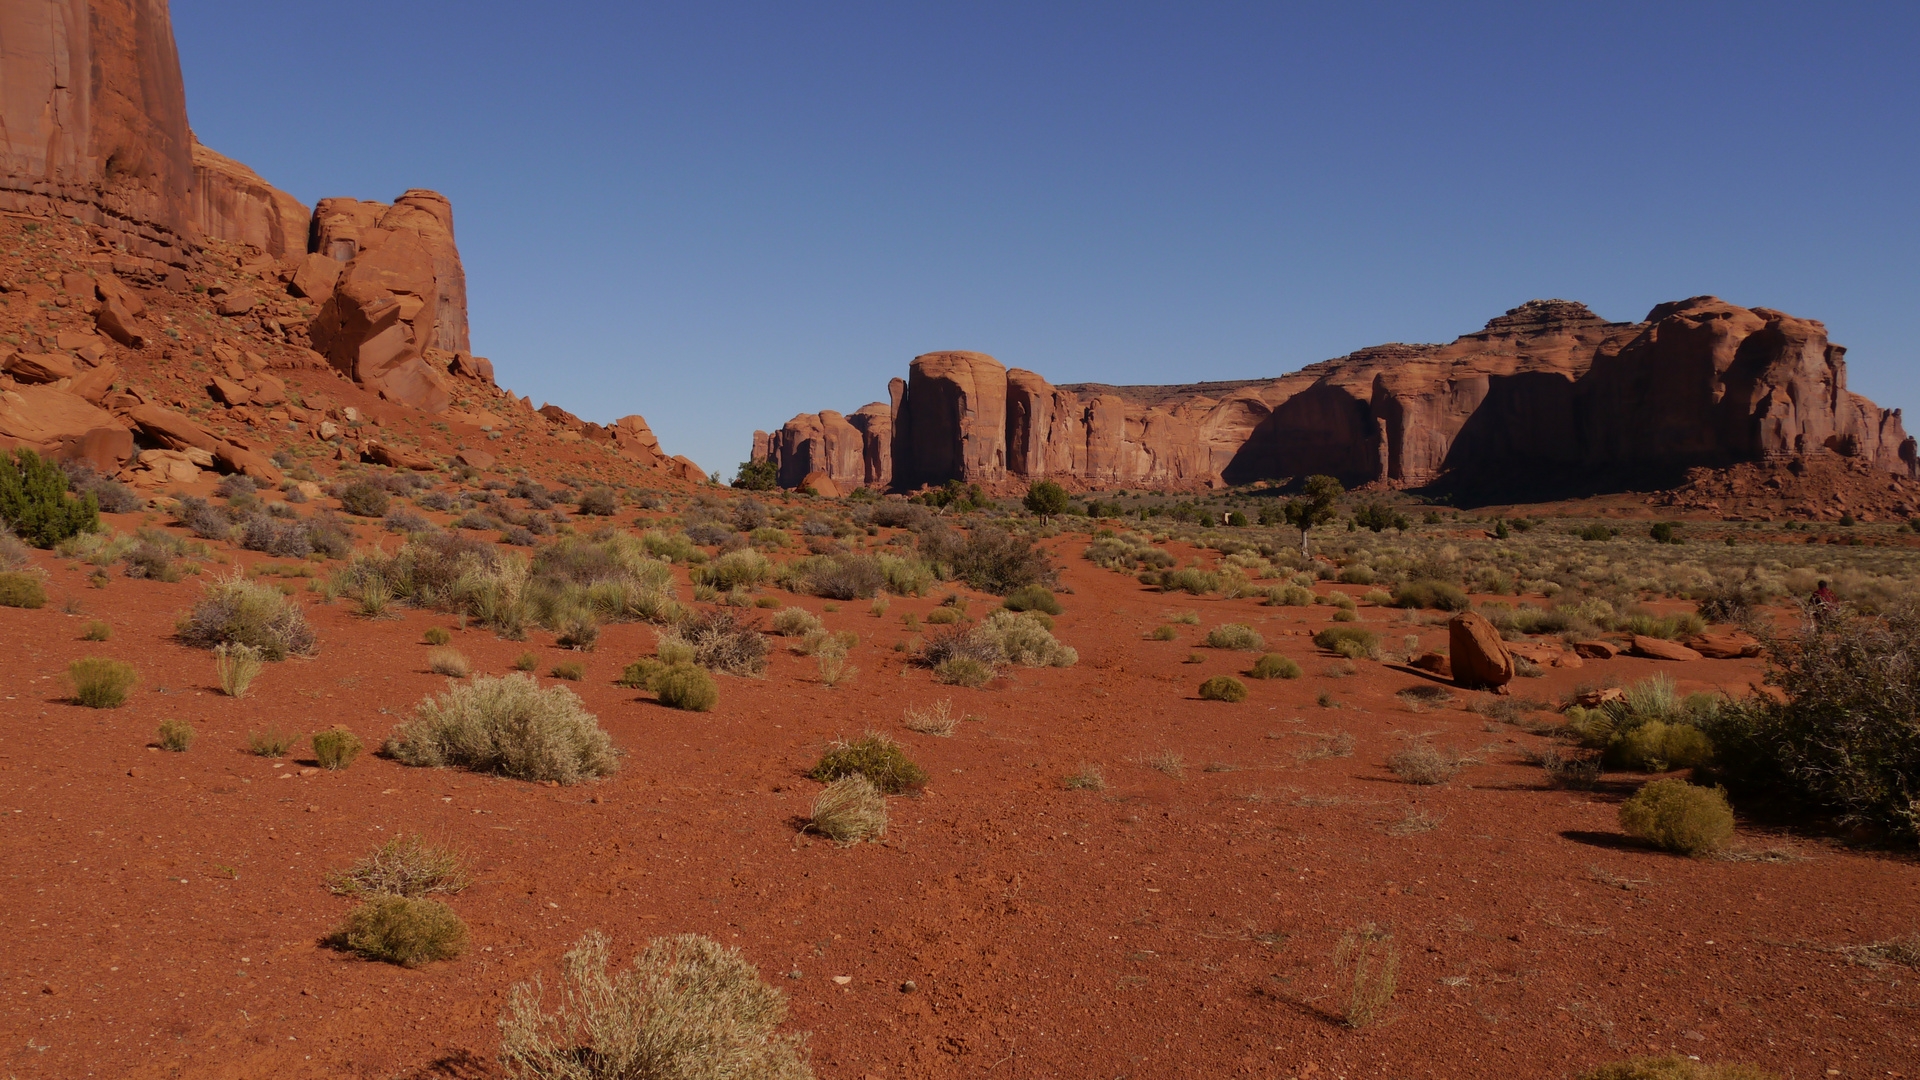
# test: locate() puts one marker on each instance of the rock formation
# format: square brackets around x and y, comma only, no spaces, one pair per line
[231,202]
[1549,387]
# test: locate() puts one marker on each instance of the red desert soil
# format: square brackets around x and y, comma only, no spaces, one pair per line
[168,908]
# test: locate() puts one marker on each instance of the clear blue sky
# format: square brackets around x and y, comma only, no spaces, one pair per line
[721,214]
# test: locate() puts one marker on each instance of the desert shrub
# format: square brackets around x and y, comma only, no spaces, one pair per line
[688,1008]
[35,505]
[110,496]
[100,683]
[272,742]
[1369,964]
[1274,666]
[1672,1068]
[838,577]
[720,641]
[955,644]
[1677,816]
[1162,633]
[963,671]
[1652,729]
[1223,688]
[449,662]
[1088,777]
[936,719]
[1844,740]
[989,559]
[21,589]
[570,670]
[403,866]
[741,569]
[363,499]
[600,501]
[284,539]
[1352,642]
[201,518]
[1290,596]
[1022,638]
[402,520]
[1235,636]
[639,675]
[850,810]
[401,930]
[176,735]
[236,666]
[13,553]
[96,631]
[1570,769]
[508,725]
[795,622]
[1421,763]
[1189,579]
[1033,598]
[873,756]
[1428,593]
[685,686]
[335,748]
[235,611]
[944,616]
[436,635]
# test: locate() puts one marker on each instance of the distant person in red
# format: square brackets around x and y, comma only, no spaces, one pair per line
[1824,602]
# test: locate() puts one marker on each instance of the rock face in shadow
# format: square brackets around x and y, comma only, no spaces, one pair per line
[1547,389]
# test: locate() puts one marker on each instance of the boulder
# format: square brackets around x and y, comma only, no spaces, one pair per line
[166,467]
[115,321]
[228,392]
[1724,644]
[1593,699]
[1654,648]
[236,303]
[39,367]
[92,385]
[1544,655]
[1435,662]
[475,459]
[106,447]
[683,466]
[399,457]
[48,418]
[176,432]
[314,276]
[1479,658]
[1596,650]
[821,484]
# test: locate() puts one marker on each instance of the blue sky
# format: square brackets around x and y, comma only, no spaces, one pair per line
[721,214]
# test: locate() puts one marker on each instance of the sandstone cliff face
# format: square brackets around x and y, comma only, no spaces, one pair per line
[232,203]
[1548,386]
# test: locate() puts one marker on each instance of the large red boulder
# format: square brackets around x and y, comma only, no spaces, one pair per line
[1479,658]
[1654,648]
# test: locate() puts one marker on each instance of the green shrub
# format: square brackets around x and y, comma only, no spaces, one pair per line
[875,757]
[989,559]
[508,725]
[1843,740]
[1673,1068]
[795,622]
[236,611]
[1163,633]
[741,569]
[1020,638]
[21,589]
[436,635]
[1223,688]
[1655,746]
[335,748]
[96,631]
[1352,642]
[363,499]
[270,743]
[100,683]
[963,671]
[688,1008]
[942,616]
[1235,636]
[1428,593]
[1033,598]
[526,662]
[402,930]
[34,502]
[1677,816]
[850,810]
[640,674]
[570,670]
[685,686]
[1290,596]
[176,735]
[1274,666]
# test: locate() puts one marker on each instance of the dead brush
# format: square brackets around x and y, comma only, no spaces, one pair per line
[1425,696]
[1420,762]
[236,666]
[1569,768]
[1369,964]
[935,719]
[721,641]
[1088,777]
[850,810]
[1334,744]
[403,866]
[1167,762]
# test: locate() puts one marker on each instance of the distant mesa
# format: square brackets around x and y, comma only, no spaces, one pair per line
[1548,393]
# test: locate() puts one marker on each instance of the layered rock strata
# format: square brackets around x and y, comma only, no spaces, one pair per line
[1548,386]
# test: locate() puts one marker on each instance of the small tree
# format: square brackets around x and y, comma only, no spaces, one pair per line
[1314,507]
[35,503]
[756,476]
[1045,499]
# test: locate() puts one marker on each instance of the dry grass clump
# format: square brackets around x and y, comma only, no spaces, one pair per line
[1274,666]
[235,611]
[403,866]
[96,631]
[850,810]
[272,742]
[1235,636]
[1673,1068]
[1168,762]
[1677,816]
[1162,633]
[1026,638]
[1421,763]
[1425,694]
[176,735]
[1337,744]
[795,622]
[934,719]
[21,589]
[335,748]
[1351,642]
[508,725]
[1570,769]
[449,662]
[718,641]
[875,757]
[1369,962]
[236,666]
[1033,598]
[831,659]
[401,930]
[688,1008]
[570,670]
[685,687]
[1223,688]
[1088,777]
[437,635]
[100,683]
